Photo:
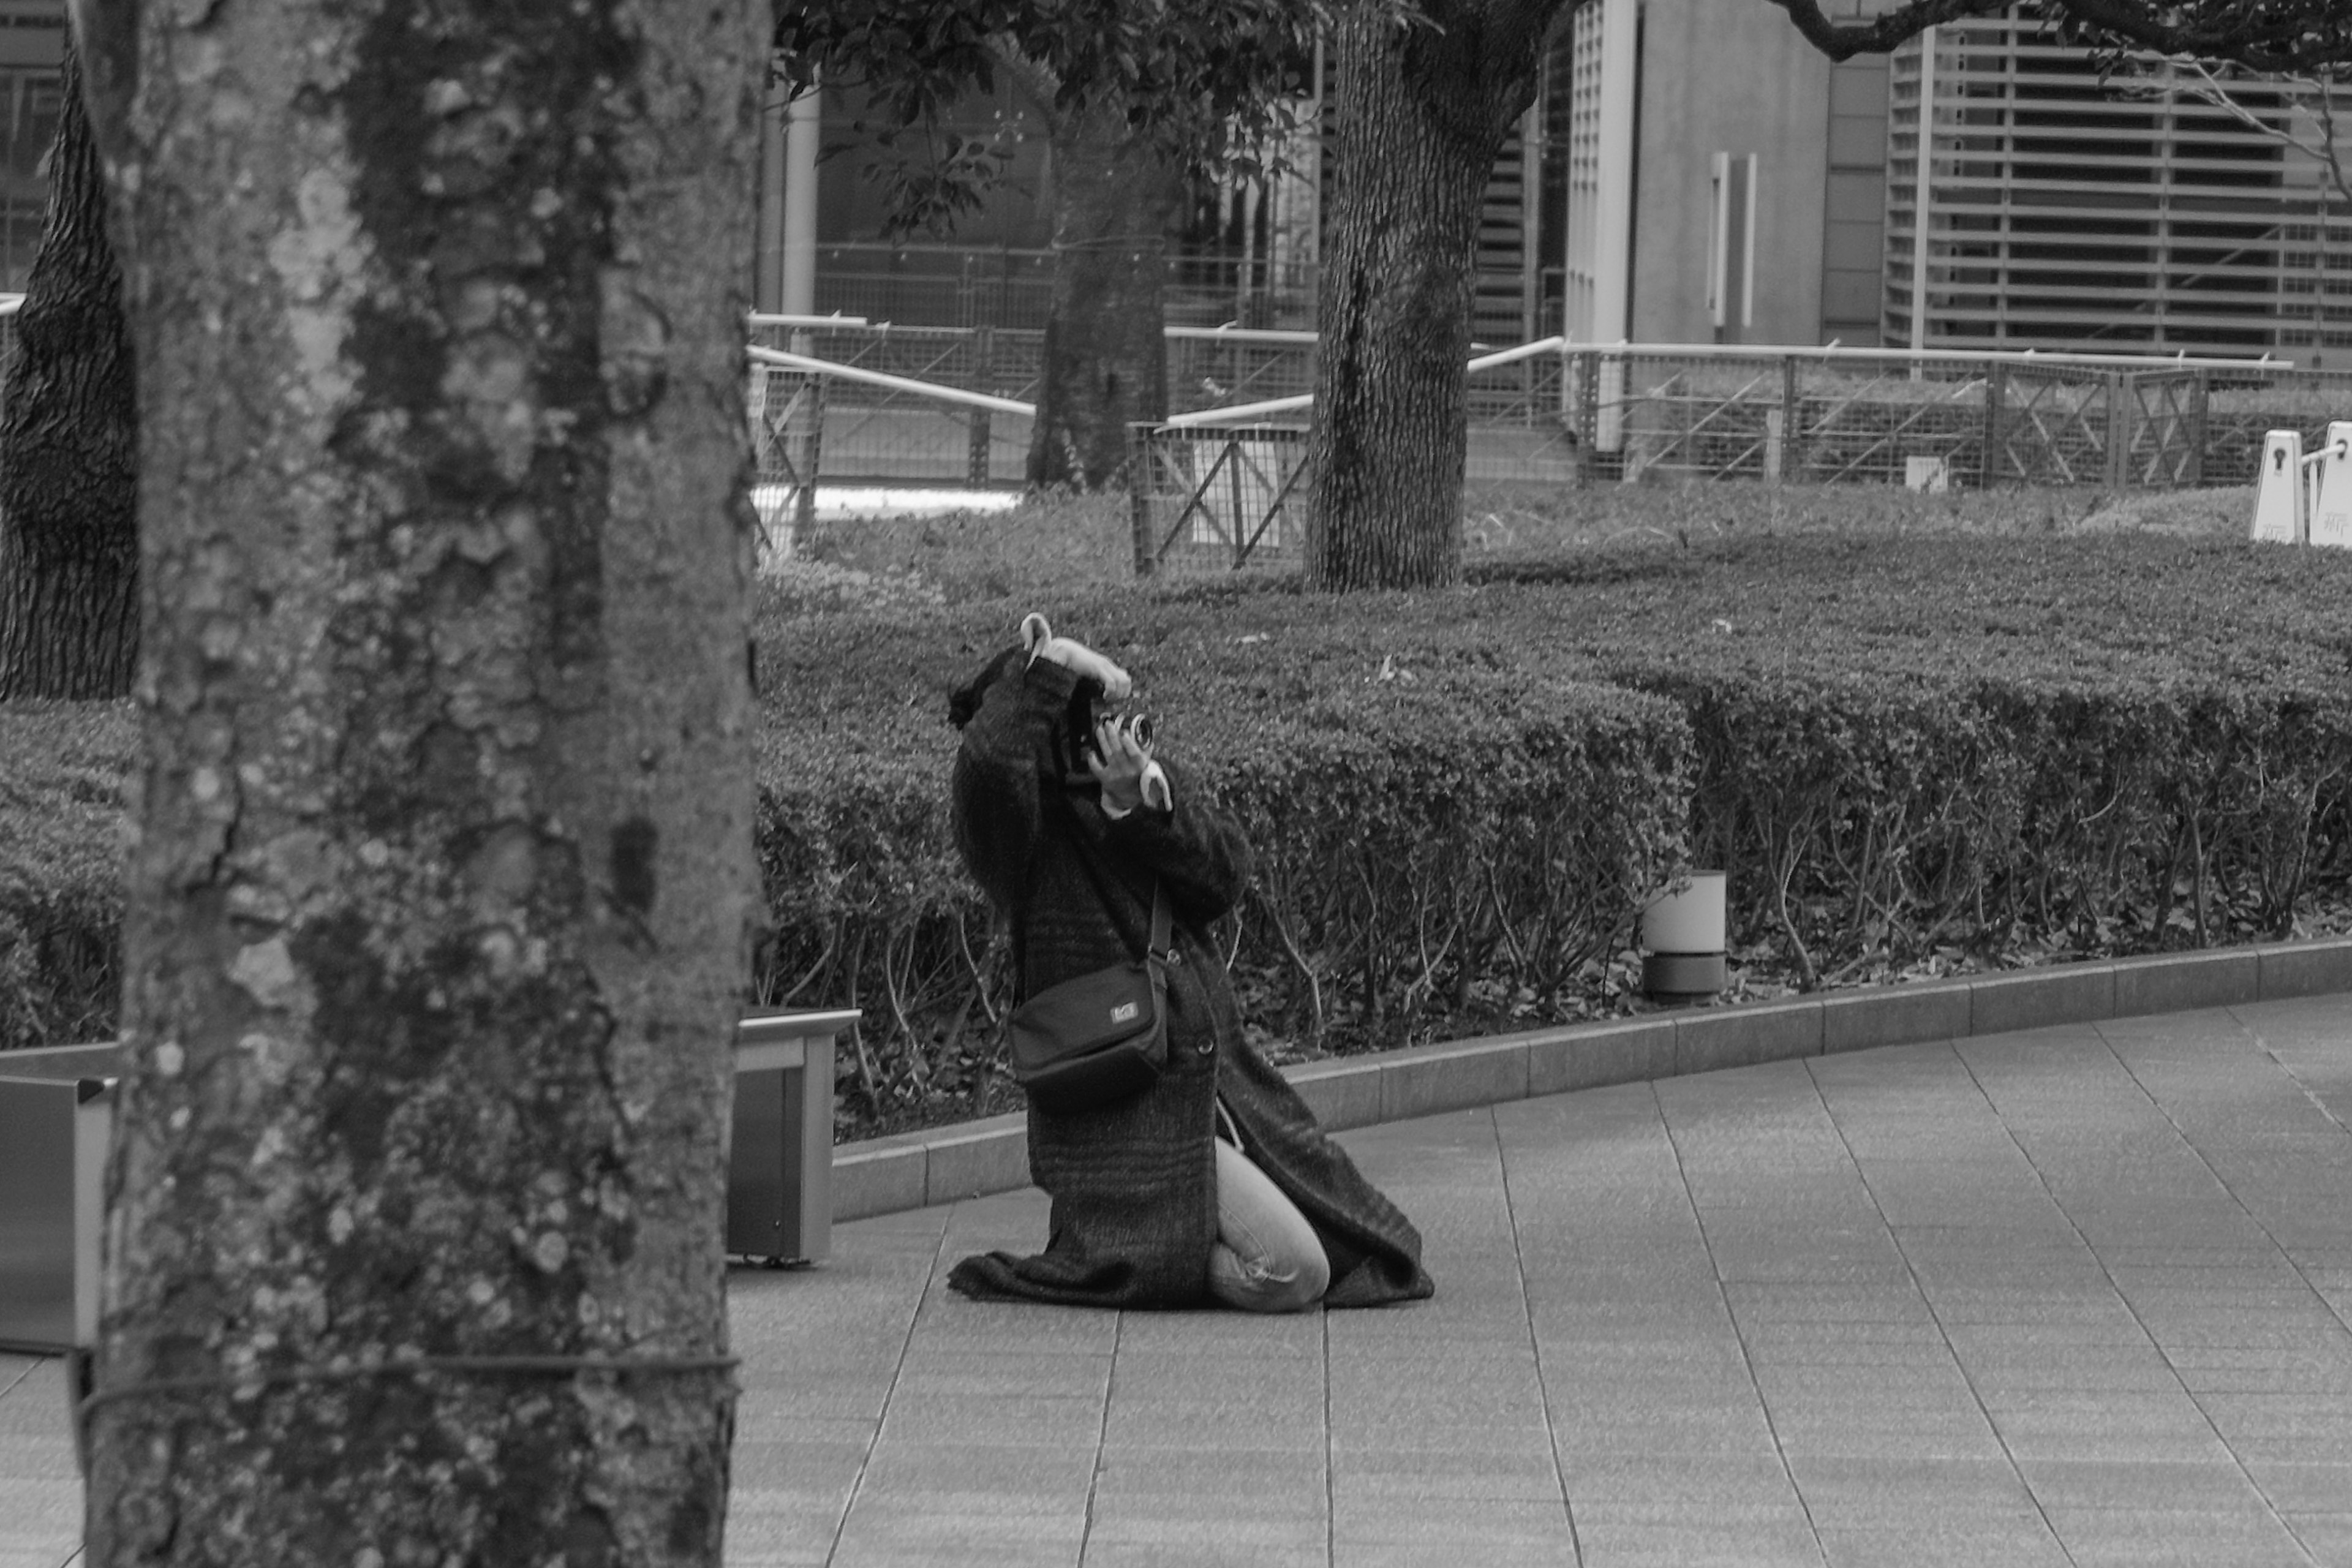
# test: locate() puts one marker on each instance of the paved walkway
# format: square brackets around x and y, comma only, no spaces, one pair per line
[2073,1295]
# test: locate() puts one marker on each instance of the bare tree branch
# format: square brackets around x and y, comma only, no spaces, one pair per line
[2313,37]
[1881,34]
[2269,39]
[2301,92]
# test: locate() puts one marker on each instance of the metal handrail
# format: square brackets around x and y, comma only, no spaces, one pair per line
[2178,360]
[778,357]
[1245,411]
[1229,332]
[776,318]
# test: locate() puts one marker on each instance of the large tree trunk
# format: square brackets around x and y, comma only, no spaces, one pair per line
[437,912]
[1105,354]
[69,433]
[1422,111]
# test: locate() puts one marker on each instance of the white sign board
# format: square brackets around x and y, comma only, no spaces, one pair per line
[2331,498]
[2278,495]
[1933,475]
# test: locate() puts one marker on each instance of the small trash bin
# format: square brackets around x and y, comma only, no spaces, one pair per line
[57,1111]
[780,1145]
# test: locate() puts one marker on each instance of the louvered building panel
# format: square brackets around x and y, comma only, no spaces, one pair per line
[2062,211]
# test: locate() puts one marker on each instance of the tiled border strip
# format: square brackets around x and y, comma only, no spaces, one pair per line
[912,1170]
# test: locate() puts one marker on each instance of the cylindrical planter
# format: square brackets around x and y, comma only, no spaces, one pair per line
[1682,940]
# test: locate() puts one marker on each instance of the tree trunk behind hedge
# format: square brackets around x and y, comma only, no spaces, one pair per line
[1105,351]
[68,434]
[436,915]
[1424,110]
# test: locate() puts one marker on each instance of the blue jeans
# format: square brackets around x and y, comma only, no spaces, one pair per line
[1267,1258]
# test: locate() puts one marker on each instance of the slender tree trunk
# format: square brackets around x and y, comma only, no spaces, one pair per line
[436,915]
[1105,354]
[69,437]
[1424,110]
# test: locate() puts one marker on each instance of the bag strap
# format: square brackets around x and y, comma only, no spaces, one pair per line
[1156,950]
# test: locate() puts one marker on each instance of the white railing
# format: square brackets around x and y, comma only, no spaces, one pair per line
[2179,359]
[1246,412]
[785,360]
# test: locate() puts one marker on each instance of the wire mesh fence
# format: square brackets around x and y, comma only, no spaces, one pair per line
[1582,416]
[954,285]
[1210,368]
[1935,420]
[810,426]
[1215,500]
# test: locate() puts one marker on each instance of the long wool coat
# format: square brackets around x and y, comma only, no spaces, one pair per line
[1133,1184]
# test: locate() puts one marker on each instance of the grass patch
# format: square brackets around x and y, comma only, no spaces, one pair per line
[1051,545]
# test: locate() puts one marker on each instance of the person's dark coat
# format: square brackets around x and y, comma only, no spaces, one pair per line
[1133,1184]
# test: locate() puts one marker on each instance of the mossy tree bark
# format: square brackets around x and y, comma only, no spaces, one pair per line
[438,910]
[68,434]
[1106,352]
[1423,110]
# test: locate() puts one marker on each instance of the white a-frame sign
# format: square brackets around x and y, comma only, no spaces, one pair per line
[2278,498]
[2331,498]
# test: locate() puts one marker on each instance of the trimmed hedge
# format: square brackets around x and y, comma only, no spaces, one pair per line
[1442,837]
[2080,746]
[1963,751]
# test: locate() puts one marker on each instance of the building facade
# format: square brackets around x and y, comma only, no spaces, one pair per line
[32,43]
[1982,188]
[1693,172]
[2031,204]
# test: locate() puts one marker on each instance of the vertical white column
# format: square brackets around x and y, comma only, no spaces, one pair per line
[1612,251]
[1923,172]
[1748,170]
[797,293]
[767,276]
[1612,238]
[1531,178]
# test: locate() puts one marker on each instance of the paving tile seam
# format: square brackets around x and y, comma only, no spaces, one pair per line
[1920,1285]
[1102,1436]
[1331,1470]
[2292,1077]
[2288,1523]
[919,1170]
[1723,1296]
[1535,1340]
[2236,1461]
[898,1370]
[2332,1308]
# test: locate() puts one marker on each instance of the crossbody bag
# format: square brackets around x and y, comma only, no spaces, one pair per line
[1101,1038]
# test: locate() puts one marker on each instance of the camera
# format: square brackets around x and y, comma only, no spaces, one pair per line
[1138,726]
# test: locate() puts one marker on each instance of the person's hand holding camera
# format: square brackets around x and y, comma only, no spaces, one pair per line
[1120,761]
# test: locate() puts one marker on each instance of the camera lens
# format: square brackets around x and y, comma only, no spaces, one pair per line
[1141,728]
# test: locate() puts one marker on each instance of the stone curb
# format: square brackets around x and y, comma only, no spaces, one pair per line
[913,1169]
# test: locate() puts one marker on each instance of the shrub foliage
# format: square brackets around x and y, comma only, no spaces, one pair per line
[1931,751]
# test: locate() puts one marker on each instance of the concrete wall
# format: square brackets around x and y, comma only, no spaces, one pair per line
[1719,76]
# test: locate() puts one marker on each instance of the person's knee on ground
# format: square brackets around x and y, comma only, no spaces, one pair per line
[1267,1258]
